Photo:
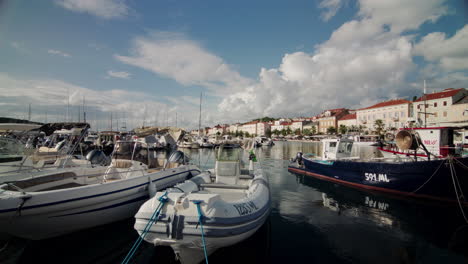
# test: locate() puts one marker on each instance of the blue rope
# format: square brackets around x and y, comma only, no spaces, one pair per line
[162,200]
[200,220]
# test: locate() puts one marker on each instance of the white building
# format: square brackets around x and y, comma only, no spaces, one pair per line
[256,128]
[439,109]
[348,120]
[393,113]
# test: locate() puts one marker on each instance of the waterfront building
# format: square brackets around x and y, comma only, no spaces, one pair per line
[234,128]
[394,114]
[441,108]
[217,130]
[256,128]
[348,120]
[281,125]
[329,118]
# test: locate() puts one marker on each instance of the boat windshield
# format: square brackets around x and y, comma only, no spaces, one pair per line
[10,146]
[131,151]
[345,147]
[227,154]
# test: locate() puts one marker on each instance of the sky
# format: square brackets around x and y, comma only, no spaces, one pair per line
[145,62]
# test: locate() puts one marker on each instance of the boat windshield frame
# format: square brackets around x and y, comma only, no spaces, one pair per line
[131,150]
[227,154]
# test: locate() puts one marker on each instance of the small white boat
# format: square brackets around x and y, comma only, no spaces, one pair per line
[60,202]
[226,205]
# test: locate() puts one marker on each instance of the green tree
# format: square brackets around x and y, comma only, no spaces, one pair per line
[307,132]
[314,130]
[361,128]
[343,129]
[379,127]
[283,132]
[288,131]
[331,130]
[276,132]
[246,134]
[297,131]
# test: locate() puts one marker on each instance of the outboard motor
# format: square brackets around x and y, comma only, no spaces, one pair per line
[298,159]
[97,157]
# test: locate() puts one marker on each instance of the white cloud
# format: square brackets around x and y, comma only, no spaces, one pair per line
[364,61]
[171,55]
[58,52]
[107,9]
[402,15]
[450,53]
[331,8]
[133,107]
[121,75]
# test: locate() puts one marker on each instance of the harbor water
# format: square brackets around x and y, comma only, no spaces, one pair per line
[311,221]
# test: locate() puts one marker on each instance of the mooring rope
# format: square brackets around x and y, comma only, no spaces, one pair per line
[454,175]
[200,221]
[429,177]
[162,200]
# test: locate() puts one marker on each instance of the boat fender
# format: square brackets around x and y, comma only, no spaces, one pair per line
[152,190]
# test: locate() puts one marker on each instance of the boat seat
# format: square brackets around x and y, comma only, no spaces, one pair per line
[121,164]
[224,186]
[172,165]
[154,170]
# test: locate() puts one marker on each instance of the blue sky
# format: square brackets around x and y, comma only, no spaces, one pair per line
[145,61]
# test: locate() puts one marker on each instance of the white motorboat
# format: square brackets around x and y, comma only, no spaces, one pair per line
[18,162]
[204,142]
[215,209]
[60,202]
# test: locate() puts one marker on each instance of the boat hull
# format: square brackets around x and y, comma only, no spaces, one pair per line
[423,179]
[52,213]
[224,222]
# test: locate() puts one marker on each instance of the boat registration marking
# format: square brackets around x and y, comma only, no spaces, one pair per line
[245,208]
[377,177]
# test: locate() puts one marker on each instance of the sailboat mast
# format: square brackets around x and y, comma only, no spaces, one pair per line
[199,118]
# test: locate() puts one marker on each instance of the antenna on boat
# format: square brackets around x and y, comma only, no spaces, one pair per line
[29,112]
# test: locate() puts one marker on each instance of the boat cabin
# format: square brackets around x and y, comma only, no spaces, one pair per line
[336,148]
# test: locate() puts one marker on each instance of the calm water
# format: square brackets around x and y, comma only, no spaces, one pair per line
[311,221]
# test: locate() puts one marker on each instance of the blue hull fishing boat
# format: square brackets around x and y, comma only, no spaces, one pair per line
[438,179]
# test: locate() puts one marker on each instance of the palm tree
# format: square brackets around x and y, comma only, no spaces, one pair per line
[379,127]
[331,130]
[343,129]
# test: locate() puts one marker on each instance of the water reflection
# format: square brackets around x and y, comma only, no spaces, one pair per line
[311,221]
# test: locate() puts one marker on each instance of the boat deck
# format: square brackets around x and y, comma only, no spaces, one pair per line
[63,186]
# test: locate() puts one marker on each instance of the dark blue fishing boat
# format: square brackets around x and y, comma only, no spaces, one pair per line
[438,179]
